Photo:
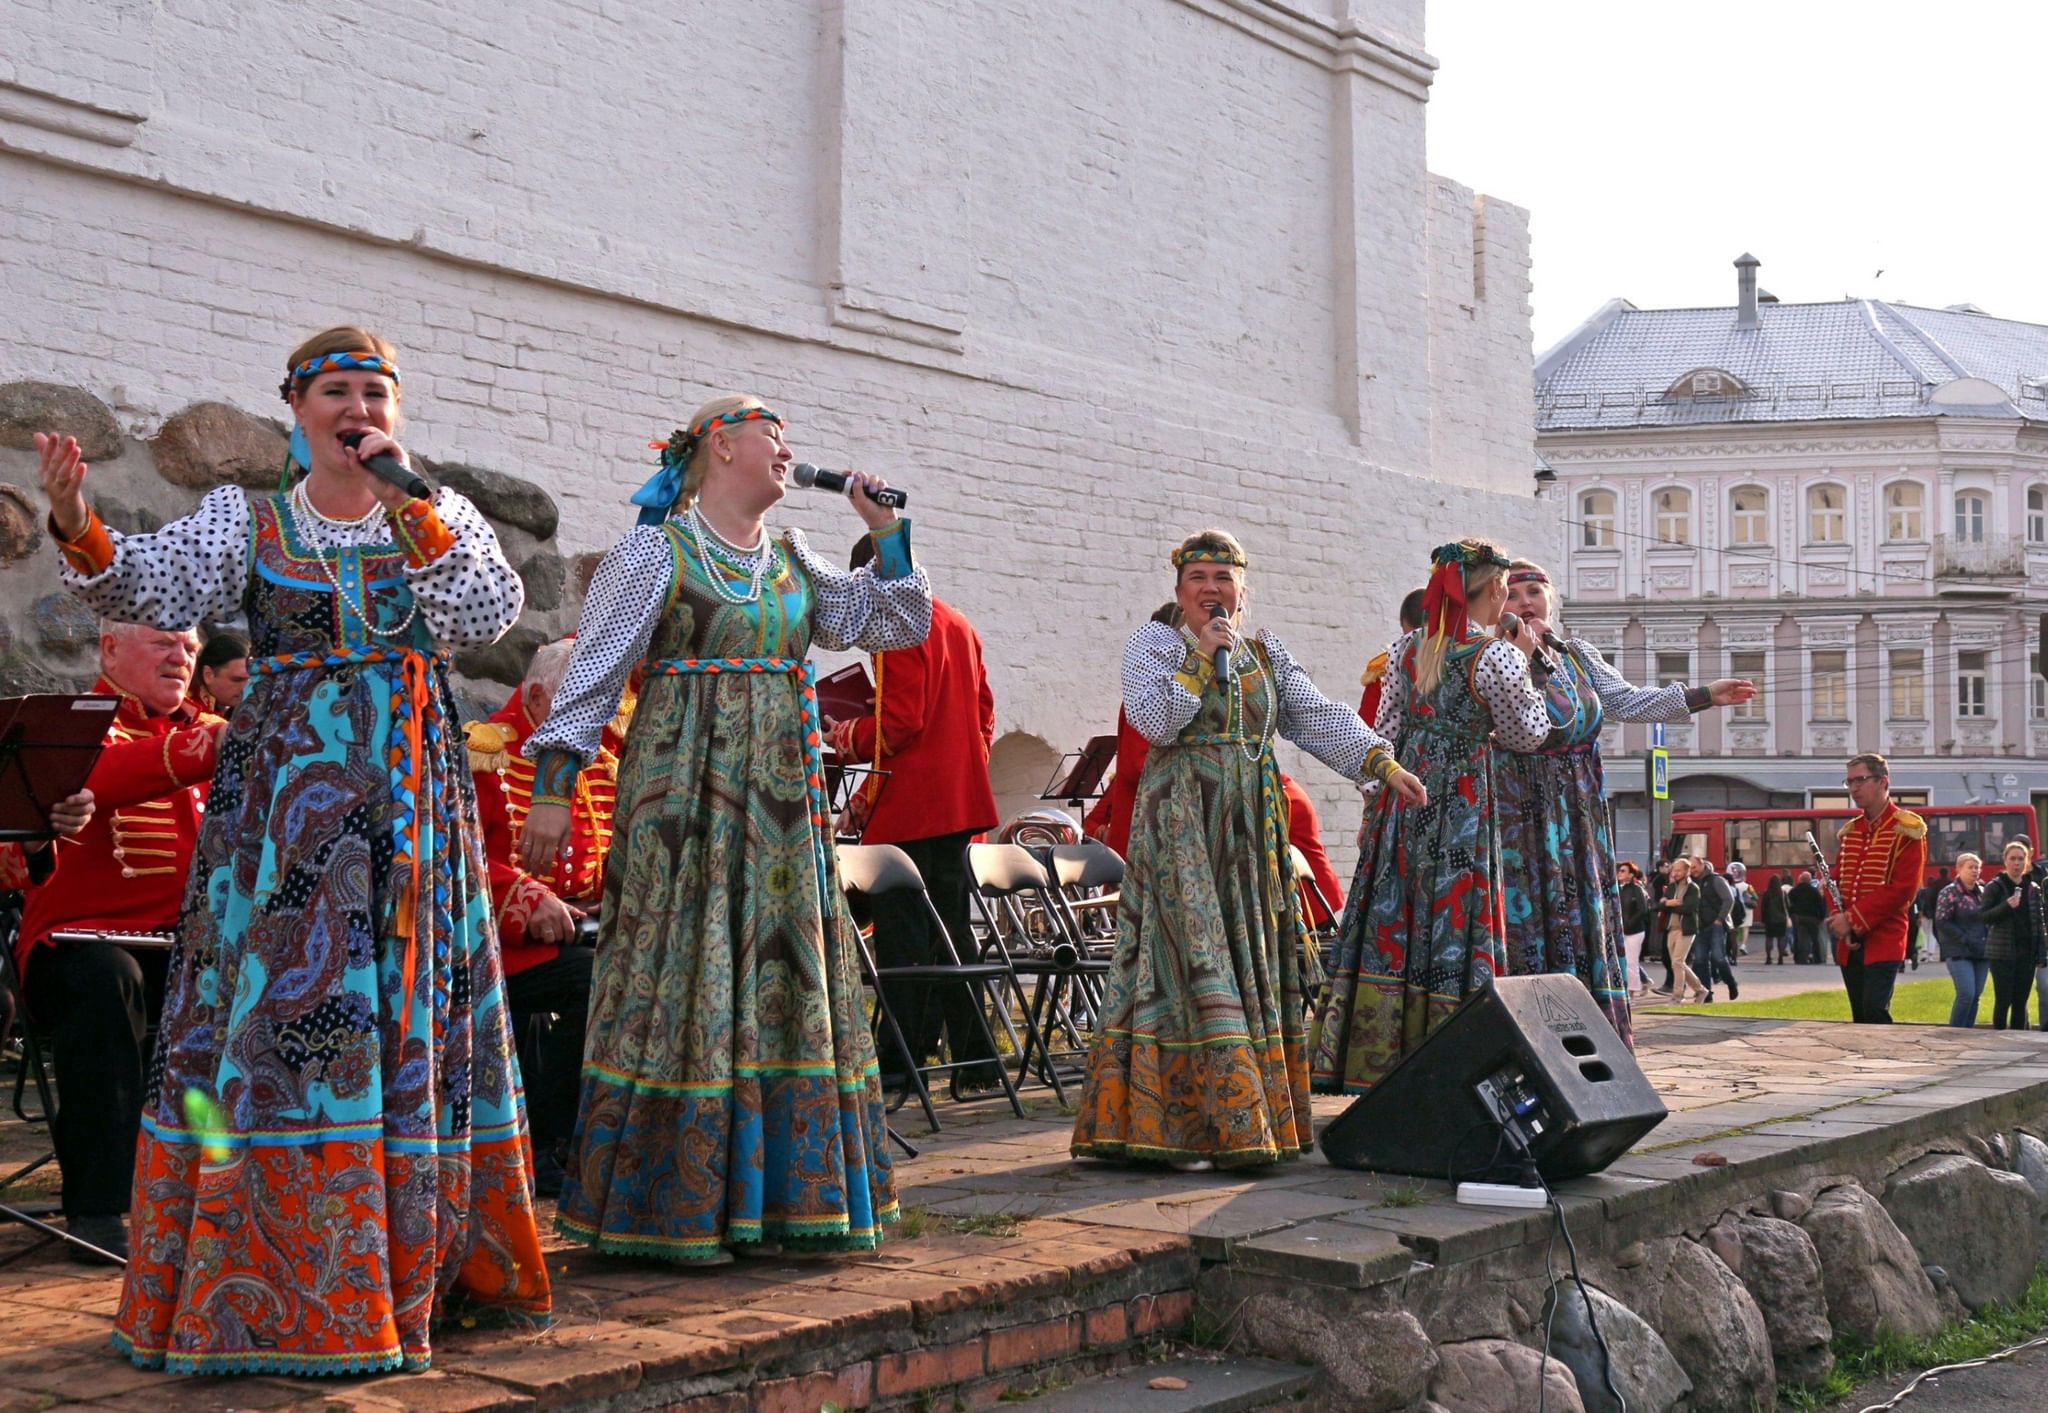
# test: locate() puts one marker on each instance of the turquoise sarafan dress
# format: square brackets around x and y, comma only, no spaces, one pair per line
[333,1149]
[1557,841]
[730,1092]
[1425,924]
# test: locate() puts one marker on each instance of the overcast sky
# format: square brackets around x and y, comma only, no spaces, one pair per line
[1655,143]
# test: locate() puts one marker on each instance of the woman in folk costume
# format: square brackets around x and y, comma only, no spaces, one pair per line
[1199,1057]
[731,1100]
[1557,852]
[333,1149]
[1425,924]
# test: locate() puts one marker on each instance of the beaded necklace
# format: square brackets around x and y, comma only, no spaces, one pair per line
[302,509]
[755,564]
[1265,738]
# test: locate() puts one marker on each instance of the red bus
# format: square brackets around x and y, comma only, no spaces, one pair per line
[1772,842]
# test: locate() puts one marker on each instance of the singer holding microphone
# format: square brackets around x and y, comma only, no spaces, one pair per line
[1557,856]
[335,1072]
[1200,1056]
[730,1101]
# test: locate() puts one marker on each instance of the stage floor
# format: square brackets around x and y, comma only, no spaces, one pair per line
[1017,1260]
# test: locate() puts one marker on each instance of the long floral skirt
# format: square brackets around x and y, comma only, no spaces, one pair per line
[730,1090]
[1557,856]
[1201,1049]
[329,1158]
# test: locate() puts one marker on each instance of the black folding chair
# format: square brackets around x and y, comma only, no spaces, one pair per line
[1006,877]
[871,871]
[1090,876]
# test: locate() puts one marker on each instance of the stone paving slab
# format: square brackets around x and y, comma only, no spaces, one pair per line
[1026,1261]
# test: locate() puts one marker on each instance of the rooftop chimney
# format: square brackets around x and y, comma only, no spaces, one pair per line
[1745,291]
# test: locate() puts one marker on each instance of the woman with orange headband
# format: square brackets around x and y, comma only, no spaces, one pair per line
[1563,901]
[731,1101]
[333,1149]
[1200,1057]
[1426,923]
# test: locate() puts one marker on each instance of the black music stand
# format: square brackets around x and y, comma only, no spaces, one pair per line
[48,745]
[1078,777]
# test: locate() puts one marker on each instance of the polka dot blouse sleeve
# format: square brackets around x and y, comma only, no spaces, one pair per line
[1331,733]
[1162,678]
[191,570]
[469,594]
[1393,712]
[1622,701]
[627,595]
[1520,719]
[884,604]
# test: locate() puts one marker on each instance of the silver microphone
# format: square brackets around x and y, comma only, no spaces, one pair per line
[807,476]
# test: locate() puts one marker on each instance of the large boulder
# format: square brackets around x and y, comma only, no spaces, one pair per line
[27,408]
[501,497]
[21,522]
[63,624]
[1500,1376]
[1868,1269]
[1375,1362]
[1781,1270]
[212,444]
[1637,1359]
[2030,1161]
[1965,1218]
[1709,1320]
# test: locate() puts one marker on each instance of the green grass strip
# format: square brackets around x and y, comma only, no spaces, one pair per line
[1913,1003]
[1993,1328]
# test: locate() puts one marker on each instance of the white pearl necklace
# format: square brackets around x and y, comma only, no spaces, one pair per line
[1265,737]
[755,563]
[302,507]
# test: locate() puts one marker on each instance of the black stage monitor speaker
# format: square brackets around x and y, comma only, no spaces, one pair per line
[1532,1053]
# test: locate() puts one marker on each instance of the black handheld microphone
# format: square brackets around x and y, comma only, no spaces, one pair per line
[388,468]
[806,475]
[1539,661]
[1222,653]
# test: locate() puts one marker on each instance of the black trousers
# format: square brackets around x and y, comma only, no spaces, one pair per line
[1869,985]
[552,1059]
[904,937]
[1806,939]
[2012,983]
[92,1002]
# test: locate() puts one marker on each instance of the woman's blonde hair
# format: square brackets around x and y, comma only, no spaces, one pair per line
[699,464]
[1964,858]
[1484,562]
[2022,845]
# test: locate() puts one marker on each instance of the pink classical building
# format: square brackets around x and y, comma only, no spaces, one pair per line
[1847,502]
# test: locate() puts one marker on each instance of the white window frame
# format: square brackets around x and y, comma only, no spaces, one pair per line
[1894,531]
[1910,682]
[1973,527]
[1747,527]
[1596,531]
[1973,685]
[1838,679]
[1820,518]
[2037,515]
[1753,709]
[1682,519]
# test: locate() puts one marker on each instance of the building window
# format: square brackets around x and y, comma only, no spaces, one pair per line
[2037,515]
[1973,684]
[1596,520]
[1905,511]
[1673,509]
[1830,678]
[1909,684]
[1972,510]
[1749,514]
[1674,667]
[1826,515]
[2037,691]
[1748,667]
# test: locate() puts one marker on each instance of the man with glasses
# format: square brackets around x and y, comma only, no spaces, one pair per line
[1879,865]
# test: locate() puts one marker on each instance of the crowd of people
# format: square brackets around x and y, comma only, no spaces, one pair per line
[380,1043]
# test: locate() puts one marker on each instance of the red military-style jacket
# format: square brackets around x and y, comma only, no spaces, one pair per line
[125,871]
[504,796]
[1374,680]
[1879,867]
[937,719]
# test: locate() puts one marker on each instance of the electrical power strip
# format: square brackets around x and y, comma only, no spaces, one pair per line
[1500,1194]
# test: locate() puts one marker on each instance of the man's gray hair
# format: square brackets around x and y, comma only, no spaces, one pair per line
[550,665]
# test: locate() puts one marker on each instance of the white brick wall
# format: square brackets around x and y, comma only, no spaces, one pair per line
[1083,277]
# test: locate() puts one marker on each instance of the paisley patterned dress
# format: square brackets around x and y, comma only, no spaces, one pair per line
[1563,903]
[1425,925]
[333,1147]
[1200,1053]
[730,1091]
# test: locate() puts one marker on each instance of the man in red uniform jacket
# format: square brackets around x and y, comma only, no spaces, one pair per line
[1374,678]
[538,915]
[932,727]
[1879,866]
[124,872]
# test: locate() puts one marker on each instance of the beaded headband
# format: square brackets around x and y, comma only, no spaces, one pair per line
[1527,576]
[331,362]
[1182,557]
[665,485]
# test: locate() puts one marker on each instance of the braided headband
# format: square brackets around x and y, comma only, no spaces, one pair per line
[330,362]
[1210,556]
[1527,576]
[666,485]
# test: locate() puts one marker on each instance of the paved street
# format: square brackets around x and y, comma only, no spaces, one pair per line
[2009,1386]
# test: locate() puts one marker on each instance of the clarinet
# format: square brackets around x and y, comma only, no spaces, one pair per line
[1826,876]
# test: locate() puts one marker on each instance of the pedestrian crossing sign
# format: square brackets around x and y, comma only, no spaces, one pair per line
[1660,773]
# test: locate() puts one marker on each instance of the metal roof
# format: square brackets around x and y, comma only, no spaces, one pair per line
[1854,358]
